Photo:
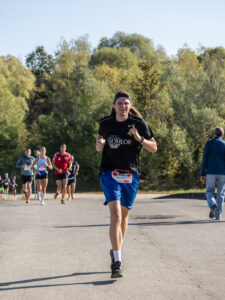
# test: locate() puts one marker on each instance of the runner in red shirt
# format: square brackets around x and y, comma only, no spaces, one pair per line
[60,163]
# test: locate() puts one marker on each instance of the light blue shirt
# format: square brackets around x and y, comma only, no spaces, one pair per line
[27,163]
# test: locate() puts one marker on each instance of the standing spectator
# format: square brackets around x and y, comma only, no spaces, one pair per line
[213,172]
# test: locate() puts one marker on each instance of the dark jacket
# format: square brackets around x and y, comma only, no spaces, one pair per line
[213,161]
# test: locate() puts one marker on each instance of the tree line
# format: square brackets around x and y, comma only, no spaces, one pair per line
[60,98]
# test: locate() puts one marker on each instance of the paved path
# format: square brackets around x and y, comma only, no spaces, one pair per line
[172,251]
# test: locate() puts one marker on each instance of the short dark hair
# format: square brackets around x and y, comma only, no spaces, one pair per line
[121,94]
[219,131]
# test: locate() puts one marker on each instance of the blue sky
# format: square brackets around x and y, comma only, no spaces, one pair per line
[25,24]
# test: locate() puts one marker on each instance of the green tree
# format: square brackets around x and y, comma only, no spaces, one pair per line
[141,46]
[186,84]
[16,82]
[62,99]
[42,66]
[213,62]
[120,58]
[78,100]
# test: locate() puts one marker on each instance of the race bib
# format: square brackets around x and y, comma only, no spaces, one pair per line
[27,168]
[122,177]
[41,168]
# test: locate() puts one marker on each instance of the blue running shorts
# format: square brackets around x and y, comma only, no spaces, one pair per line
[124,192]
[72,180]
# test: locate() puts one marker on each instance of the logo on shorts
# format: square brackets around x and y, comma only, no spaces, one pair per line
[115,141]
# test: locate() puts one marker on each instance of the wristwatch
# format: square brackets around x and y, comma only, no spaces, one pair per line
[142,139]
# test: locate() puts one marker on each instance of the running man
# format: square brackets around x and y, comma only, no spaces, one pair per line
[24,163]
[13,185]
[42,163]
[121,137]
[6,182]
[60,163]
[72,179]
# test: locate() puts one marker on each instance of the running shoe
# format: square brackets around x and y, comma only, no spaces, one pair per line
[112,257]
[27,201]
[56,195]
[63,202]
[212,212]
[42,203]
[116,270]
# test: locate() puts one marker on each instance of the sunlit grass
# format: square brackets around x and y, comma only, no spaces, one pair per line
[175,191]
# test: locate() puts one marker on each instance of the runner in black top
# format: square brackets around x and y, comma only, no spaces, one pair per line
[72,179]
[13,185]
[121,137]
[6,182]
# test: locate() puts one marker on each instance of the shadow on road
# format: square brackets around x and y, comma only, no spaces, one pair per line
[95,283]
[166,223]
[161,223]
[103,282]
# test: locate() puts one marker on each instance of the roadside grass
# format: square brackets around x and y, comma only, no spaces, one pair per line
[173,191]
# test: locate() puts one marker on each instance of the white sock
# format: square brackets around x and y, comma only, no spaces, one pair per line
[39,195]
[117,255]
[43,197]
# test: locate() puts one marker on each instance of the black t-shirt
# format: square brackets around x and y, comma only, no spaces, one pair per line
[74,169]
[6,181]
[121,151]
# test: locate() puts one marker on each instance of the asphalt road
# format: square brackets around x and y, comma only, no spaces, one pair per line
[172,251]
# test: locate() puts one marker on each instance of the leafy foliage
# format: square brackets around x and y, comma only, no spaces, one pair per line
[16,82]
[61,98]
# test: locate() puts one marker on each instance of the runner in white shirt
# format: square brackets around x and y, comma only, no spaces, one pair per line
[40,166]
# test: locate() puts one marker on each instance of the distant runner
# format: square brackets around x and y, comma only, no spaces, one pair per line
[72,179]
[6,182]
[60,163]
[24,163]
[42,163]
[121,137]
[13,185]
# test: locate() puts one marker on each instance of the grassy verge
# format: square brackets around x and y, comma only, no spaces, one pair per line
[174,191]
